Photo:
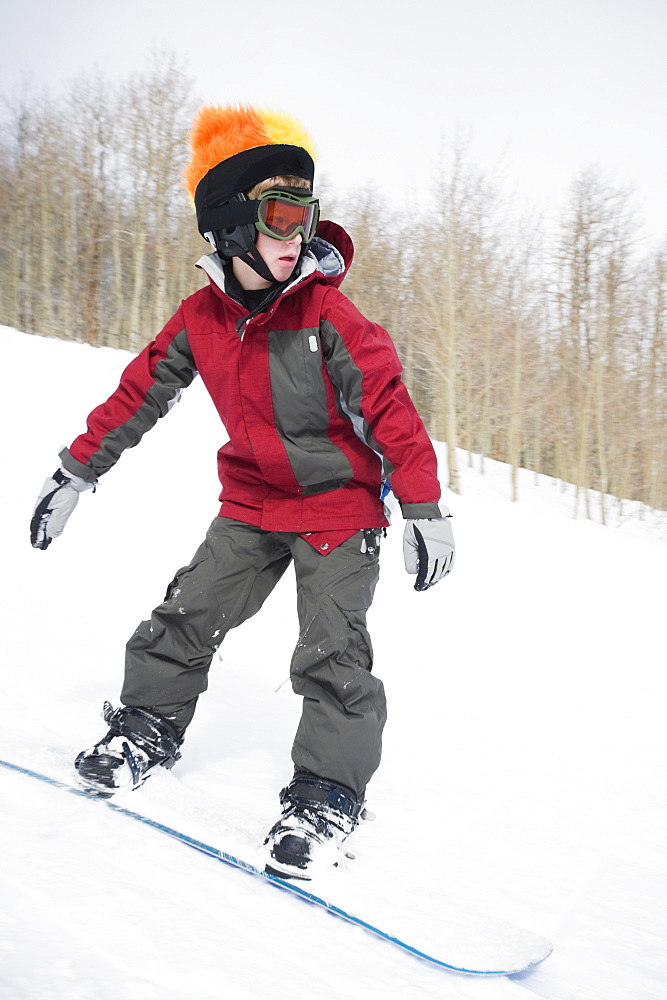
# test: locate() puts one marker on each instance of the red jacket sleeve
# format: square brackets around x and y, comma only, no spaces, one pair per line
[149,387]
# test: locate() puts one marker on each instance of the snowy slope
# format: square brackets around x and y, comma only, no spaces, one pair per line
[524,763]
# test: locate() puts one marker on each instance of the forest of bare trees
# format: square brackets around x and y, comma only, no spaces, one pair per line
[548,352]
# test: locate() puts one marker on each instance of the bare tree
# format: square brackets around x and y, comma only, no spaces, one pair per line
[554,363]
[594,278]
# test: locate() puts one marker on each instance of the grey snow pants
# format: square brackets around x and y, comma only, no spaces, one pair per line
[339,736]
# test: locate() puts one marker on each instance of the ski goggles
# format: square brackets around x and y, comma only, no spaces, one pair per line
[282,215]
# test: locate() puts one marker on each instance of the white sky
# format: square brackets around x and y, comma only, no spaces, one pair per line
[544,88]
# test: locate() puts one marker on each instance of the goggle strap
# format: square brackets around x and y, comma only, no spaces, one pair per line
[237,213]
[233,214]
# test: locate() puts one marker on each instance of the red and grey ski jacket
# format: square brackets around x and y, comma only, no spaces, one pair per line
[310,394]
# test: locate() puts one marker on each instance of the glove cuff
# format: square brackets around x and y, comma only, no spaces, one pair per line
[64,477]
[413,511]
[75,469]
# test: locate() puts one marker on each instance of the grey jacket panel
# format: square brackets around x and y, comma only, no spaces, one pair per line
[347,378]
[300,411]
[172,374]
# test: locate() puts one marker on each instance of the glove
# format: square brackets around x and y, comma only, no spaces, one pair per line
[428,548]
[59,497]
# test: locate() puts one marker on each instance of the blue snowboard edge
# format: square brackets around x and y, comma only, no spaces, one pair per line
[282,884]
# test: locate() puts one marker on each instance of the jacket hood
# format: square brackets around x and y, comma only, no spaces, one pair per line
[327,259]
[331,241]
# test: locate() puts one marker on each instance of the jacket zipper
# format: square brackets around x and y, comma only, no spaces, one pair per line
[243,322]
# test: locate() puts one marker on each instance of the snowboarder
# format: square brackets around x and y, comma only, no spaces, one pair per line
[311,396]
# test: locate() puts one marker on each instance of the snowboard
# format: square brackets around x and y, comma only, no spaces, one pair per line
[472,944]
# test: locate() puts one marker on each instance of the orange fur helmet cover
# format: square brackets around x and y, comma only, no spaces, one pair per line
[236,147]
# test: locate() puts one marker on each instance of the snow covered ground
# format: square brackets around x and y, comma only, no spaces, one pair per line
[524,764]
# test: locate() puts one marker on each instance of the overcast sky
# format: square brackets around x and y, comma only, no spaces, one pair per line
[544,88]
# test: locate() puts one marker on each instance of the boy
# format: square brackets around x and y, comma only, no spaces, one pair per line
[310,394]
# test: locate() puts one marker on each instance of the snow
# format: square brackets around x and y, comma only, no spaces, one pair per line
[524,763]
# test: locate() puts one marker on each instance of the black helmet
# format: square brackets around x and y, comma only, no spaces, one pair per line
[224,215]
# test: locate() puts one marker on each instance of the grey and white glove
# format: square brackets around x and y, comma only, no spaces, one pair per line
[428,548]
[59,497]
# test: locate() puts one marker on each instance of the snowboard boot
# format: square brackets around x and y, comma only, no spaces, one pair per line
[318,817]
[137,742]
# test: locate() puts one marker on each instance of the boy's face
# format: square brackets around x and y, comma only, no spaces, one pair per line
[280,257]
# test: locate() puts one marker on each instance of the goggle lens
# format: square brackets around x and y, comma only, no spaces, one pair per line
[282,216]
